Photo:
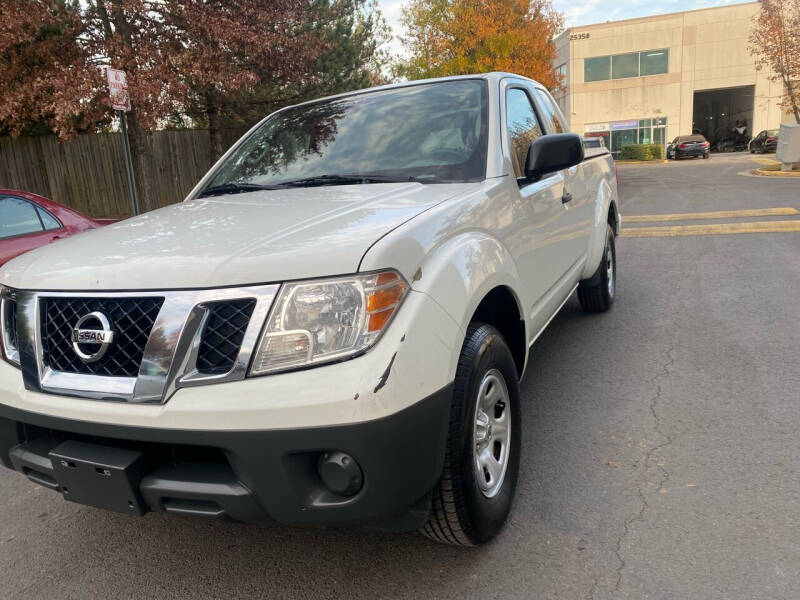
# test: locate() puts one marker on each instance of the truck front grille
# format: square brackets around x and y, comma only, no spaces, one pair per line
[136,346]
[131,320]
[223,334]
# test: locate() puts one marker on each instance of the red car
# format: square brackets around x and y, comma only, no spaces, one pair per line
[28,221]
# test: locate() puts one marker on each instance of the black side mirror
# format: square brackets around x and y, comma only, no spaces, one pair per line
[551,153]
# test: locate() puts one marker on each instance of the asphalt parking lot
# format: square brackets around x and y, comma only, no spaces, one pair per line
[660,446]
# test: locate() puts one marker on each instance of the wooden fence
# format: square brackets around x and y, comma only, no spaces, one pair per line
[88,173]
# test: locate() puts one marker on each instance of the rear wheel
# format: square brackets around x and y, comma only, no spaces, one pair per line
[474,496]
[596,294]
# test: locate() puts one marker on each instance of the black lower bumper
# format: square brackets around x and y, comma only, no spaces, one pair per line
[690,153]
[242,475]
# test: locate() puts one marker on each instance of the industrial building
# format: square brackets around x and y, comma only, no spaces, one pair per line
[650,79]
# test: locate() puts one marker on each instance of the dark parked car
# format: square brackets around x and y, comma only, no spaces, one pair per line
[28,221]
[766,141]
[688,145]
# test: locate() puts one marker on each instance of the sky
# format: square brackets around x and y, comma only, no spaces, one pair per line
[578,12]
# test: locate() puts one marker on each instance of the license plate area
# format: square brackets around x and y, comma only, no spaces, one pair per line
[101,476]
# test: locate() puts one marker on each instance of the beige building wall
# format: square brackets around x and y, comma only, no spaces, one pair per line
[707,50]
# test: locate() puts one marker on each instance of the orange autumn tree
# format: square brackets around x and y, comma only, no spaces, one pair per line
[457,37]
[775,44]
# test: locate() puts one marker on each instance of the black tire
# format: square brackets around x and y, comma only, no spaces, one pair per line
[706,156]
[461,513]
[595,294]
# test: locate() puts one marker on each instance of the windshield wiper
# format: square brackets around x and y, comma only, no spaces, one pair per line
[235,188]
[349,179]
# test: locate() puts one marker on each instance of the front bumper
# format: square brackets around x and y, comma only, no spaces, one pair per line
[248,449]
[251,475]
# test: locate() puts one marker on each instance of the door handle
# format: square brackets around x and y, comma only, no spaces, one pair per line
[567,197]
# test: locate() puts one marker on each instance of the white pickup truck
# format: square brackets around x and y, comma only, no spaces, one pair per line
[331,328]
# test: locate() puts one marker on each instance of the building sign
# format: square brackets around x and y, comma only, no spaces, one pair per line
[118,89]
[620,125]
[596,127]
[578,36]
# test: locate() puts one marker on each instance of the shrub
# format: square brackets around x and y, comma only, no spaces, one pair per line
[642,152]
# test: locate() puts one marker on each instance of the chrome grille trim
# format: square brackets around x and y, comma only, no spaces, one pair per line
[170,354]
[8,325]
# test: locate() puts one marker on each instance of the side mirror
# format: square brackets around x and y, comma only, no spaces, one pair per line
[551,153]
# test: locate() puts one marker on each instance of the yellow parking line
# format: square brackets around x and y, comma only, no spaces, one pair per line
[713,229]
[719,214]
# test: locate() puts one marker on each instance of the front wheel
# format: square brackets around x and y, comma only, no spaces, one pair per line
[473,499]
[596,294]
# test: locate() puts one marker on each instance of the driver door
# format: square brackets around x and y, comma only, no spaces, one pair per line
[539,208]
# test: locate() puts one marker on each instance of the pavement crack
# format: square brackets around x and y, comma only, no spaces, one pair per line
[648,461]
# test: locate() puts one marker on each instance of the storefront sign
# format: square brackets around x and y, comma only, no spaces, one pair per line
[595,127]
[619,125]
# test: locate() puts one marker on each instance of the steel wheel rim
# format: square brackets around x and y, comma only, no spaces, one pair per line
[491,433]
[610,275]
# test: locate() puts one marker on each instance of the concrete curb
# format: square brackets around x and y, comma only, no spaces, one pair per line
[765,173]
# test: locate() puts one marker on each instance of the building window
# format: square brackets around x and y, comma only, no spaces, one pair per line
[654,62]
[625,133]
[625,65]
[644,131]
[621,66]
[597,69]
[561,74]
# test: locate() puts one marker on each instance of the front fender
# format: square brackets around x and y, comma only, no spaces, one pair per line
[458,274]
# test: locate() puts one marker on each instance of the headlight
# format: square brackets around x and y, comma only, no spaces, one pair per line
[9,349]
[320,321]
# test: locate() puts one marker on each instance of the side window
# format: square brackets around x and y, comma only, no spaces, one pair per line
[17,217]
[523,127]
[553,120]
[48,220]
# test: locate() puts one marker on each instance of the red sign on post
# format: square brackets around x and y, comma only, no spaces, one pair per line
[118,89]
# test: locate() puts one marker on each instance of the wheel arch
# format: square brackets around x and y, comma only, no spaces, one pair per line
[500,309]
[613,217]
[606,213]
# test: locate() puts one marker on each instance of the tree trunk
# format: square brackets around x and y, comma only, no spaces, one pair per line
[793,101]
[216,148]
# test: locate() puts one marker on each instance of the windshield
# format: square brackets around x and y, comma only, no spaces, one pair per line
[431,133]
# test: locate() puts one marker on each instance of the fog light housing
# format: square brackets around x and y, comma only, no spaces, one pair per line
[340,473]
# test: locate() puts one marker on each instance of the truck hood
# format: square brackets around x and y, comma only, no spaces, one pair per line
[255,237]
